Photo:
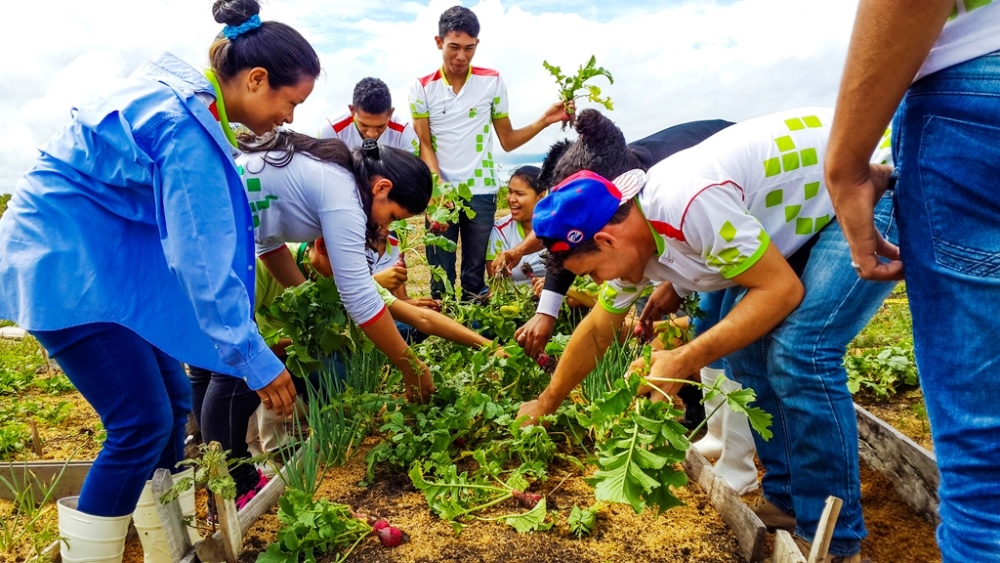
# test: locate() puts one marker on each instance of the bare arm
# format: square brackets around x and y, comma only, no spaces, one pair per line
[422,127]
[281,264]
[774,291]
[511,138]
[416,376]
[510,258]
[881,64]
[436,324]
[589,342]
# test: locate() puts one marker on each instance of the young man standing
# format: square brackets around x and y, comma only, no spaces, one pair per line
[370,117]
[455,111]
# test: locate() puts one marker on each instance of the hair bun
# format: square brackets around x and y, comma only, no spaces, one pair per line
[370,149]
[234,12]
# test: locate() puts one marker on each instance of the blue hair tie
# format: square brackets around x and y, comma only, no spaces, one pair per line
[232,32]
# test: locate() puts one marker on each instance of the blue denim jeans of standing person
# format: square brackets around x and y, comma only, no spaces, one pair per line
[475,235]
[797,372]
[143,398]
[710,303]
[947,148]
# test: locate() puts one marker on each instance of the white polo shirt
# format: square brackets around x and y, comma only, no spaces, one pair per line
[388,258]
[306,199]
[506,234]
[972,30]
[462,125]
[716,207]
[396,134]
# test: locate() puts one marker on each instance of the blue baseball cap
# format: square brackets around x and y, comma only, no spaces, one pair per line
[581,205]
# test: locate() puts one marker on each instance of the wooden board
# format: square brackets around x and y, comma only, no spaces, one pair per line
[785,550]
[911,468]
[45,471]
[747,528]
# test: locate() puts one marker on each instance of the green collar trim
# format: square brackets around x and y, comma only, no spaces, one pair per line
[520,229]
[660,247]
[301,257]
[444,75]
[220,105]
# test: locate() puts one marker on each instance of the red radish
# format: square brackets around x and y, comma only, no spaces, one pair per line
[527,271]
[389,535]
[543,360]
[527,500]
[401,262]
[438,227]
[643,332]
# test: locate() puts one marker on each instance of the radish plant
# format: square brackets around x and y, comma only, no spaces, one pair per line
[575,87]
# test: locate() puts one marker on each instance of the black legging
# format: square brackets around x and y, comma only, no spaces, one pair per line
[223,405]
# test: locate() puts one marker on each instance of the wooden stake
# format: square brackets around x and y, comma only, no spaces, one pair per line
[785,549]
[229,522]
[171,517]
[36,441]
[824,531]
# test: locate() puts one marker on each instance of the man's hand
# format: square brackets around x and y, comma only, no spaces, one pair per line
[391,278]
[663,301]
[419,391]
[278,396]
[535,410]
[425,303]
[661,380]
[535,334]
[855,207]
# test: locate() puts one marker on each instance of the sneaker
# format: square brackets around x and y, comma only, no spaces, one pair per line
[243,499]
[805,547]
[773,517]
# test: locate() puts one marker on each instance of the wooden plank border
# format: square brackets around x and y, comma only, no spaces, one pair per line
[747,528]
[911,468]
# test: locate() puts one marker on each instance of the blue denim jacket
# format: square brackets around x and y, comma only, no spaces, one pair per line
[135,214]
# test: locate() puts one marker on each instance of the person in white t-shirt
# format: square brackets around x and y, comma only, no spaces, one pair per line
[370,117]
[941,78]
[745,211]
[455,111]
[508,231]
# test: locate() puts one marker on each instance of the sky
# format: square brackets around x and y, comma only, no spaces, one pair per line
[672,61]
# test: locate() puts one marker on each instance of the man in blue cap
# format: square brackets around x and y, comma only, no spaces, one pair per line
[745,211]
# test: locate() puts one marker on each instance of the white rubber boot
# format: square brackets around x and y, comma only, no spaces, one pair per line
[735,465]
[147,521]
[87,538]
[711,445]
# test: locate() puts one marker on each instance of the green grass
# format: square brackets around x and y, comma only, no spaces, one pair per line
[890,326]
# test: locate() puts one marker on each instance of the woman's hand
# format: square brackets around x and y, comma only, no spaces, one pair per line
[278,396]
[418,382]
[506,260]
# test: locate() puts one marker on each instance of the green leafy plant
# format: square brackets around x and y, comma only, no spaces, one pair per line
[316,321]
[583,521]
[13,437]
[882,371]
[313,527]
[454,497]
[570,87]
[55,384]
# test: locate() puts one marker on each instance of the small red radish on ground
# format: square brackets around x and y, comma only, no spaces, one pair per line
[527,500]
[643,332]
[389,535]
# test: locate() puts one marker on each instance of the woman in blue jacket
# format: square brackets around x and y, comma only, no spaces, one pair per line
[128,247]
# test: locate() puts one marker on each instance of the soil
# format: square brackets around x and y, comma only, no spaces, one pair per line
[905,412]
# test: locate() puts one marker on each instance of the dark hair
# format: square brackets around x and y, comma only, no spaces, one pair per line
[529,175]
[600,147]
[411,178]
[371,95]
[459,20]
[276,47]
[554,260]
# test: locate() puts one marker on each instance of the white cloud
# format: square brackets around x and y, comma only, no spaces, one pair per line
[672,61]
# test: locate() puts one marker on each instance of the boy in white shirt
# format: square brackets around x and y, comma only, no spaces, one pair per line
[370,117]
[454,111]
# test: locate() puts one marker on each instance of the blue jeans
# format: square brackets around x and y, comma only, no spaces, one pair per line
[947,148]
[710,303]
[475,234]
[797,371]
[143,398]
